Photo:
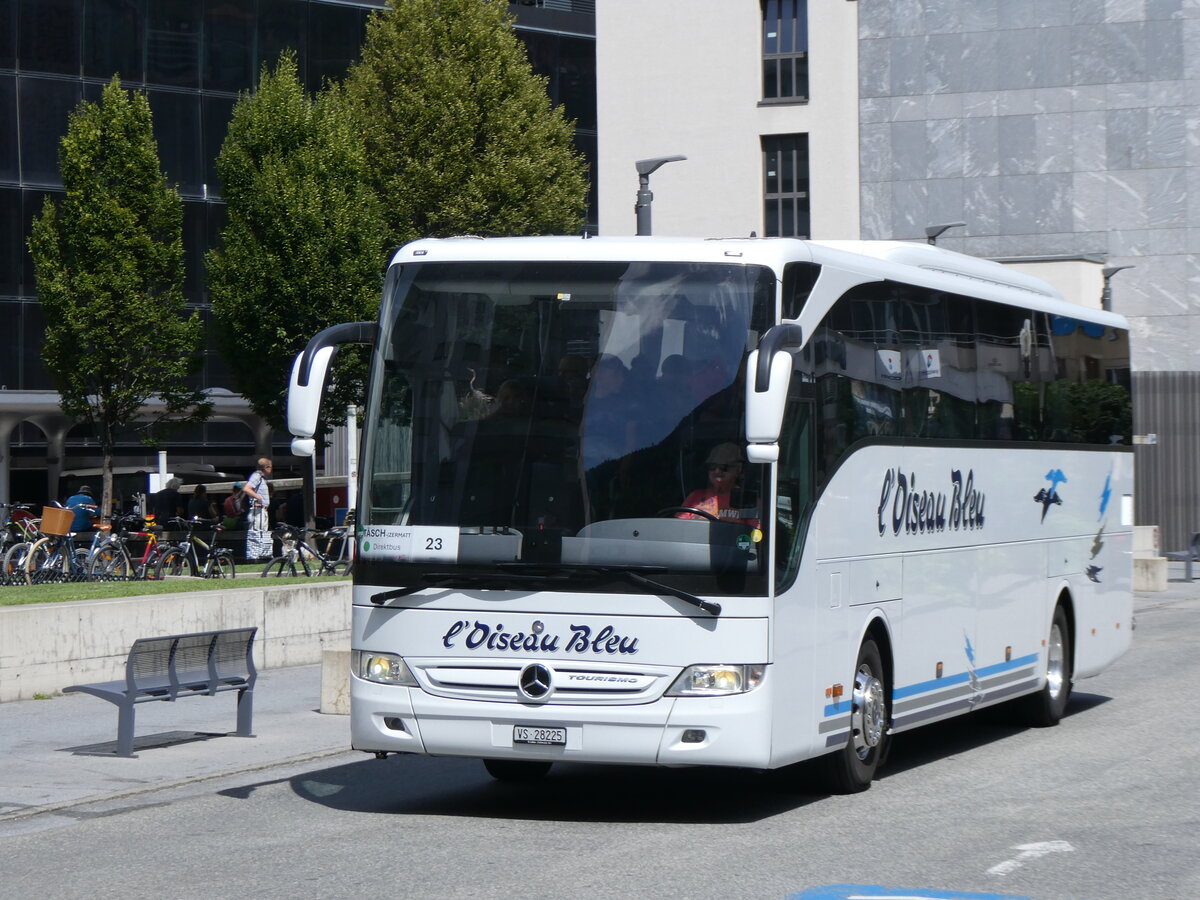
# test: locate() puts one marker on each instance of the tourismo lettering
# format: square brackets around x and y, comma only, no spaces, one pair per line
[483,636]
[904,505]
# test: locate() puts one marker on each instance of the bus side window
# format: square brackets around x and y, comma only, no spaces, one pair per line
[795,474]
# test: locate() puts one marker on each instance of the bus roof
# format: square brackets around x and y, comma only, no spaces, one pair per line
[913,263]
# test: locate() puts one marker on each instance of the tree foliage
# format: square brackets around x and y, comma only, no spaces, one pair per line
[109,266]
[303,248]
[461,134]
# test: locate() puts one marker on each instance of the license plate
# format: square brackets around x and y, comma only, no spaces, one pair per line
[533,734]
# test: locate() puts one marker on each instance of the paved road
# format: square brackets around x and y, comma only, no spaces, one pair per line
[1103,807]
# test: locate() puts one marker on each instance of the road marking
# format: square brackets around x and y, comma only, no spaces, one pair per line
[1029,852]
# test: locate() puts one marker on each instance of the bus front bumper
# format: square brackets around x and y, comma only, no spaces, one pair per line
[730,730]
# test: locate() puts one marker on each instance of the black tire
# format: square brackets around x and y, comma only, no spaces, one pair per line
[340,568]
[173,563]
[12,566]
[517,770]
[279,567]
[1045,708]
[109,562]
[220,566]
[852,768]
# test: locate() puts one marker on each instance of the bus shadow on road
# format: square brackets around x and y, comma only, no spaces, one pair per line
[413,785]
[952,737]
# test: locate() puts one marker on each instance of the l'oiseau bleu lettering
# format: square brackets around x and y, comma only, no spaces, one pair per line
[918,511]
[480,635]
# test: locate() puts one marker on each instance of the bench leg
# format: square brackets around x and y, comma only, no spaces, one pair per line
[125,729]
[1187,568]
[245,712]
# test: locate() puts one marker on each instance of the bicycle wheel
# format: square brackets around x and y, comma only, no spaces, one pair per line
[173,563]
[110,561]
[278,567]
[12,566]
[46,561]
[336,567]
[220,566]
[148,569]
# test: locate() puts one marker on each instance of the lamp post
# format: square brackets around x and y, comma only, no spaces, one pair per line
[644,198]
[1106,295]
[933,232]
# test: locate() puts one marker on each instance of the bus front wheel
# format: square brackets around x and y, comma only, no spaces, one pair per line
[851,769]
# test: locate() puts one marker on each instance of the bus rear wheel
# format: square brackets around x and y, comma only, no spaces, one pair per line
[851,769]
[1045,708]
[520,770]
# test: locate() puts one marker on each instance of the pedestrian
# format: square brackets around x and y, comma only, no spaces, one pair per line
[84,506]
[168,504]
[200,507]
[258,490]
[234,507]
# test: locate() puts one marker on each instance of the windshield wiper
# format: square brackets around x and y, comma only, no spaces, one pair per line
[530,575]
[633,574]
[460,579]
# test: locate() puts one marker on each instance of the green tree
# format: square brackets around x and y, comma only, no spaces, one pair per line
[461,134]
[109,266]
[303,248]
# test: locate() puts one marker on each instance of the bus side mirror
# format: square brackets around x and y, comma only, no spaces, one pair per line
[307,381]
[768,373]
[304,399]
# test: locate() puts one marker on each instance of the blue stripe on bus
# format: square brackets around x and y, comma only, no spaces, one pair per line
[922,687]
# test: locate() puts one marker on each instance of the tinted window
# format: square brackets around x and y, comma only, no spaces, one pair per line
[113,34]
[281,24]
[8,34]
[10,344]
[11,242]
[177,130]
[217,112]
[9,163]
[45,107]
[49,36]
[228,45]
[335,35]
[173,43]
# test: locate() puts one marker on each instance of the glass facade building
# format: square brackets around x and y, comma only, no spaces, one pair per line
[191,57]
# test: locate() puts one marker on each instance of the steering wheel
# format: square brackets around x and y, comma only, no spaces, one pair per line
[687,509]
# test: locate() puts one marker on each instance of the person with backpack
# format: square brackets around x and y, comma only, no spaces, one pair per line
[258,529]
[234,507]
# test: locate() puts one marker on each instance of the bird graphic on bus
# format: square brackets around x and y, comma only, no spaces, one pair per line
[1049,497]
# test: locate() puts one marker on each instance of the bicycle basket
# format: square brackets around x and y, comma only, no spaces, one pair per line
[56,520]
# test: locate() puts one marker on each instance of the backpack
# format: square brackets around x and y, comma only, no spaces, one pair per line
[235,505]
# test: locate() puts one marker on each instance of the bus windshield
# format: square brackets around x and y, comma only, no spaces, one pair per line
[563,417]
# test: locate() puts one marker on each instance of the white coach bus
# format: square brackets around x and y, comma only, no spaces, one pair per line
[725,502]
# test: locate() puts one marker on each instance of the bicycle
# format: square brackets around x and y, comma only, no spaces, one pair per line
[218,561]
[55,556]
[295,549]
[19,533]
[111,560]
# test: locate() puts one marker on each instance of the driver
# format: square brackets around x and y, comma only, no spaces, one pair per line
[724,469]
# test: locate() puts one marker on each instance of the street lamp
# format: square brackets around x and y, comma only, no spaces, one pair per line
[644,198]
[933,232]
[1106,295]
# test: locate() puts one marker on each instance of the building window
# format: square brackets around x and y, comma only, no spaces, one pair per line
[785,50]
[785,185]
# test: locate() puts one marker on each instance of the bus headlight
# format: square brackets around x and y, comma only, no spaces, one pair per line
[711,681]
[384,668]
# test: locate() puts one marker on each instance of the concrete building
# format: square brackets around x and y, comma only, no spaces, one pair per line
[1065,134]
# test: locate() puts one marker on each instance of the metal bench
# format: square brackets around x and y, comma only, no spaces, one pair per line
[181,665]
[1188,556]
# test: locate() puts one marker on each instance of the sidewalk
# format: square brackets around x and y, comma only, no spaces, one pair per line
[59,752]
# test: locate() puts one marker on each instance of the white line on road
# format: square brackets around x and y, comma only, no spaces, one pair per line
[1029,852]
